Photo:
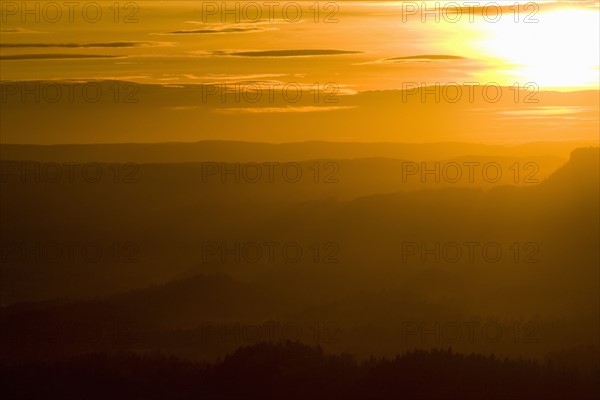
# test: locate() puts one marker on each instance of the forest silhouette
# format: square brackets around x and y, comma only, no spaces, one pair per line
[295,371]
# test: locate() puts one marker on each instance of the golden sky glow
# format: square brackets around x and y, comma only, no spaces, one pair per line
[561,50]
[357,46]
[551,44]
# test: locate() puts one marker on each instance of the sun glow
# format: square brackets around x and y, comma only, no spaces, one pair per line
[561,50]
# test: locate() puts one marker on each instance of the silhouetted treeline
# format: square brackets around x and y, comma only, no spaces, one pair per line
[296,371]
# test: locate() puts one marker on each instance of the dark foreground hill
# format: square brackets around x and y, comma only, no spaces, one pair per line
[295,371]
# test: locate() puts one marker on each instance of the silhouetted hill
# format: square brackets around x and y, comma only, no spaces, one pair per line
[189,302]
[550,278]
[295,371]
[244,152]
[580,173]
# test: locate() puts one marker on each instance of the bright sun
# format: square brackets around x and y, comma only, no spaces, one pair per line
[561,50]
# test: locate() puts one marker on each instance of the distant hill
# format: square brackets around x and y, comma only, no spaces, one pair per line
[368,292]
[235,151]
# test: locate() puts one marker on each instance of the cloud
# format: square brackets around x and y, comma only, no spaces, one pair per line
[220,30]
[18,57]
[265,110]
[227,28]
[548,112]
[18,30]
[493,10]
[271,21]
[235,78]
[84,45]
[416,59]
[426,57]
[281,53]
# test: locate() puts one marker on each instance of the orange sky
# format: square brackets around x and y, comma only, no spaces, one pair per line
[352,47]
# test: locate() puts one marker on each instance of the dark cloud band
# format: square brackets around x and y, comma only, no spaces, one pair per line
[18,57]
[75,45]
[285,53]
